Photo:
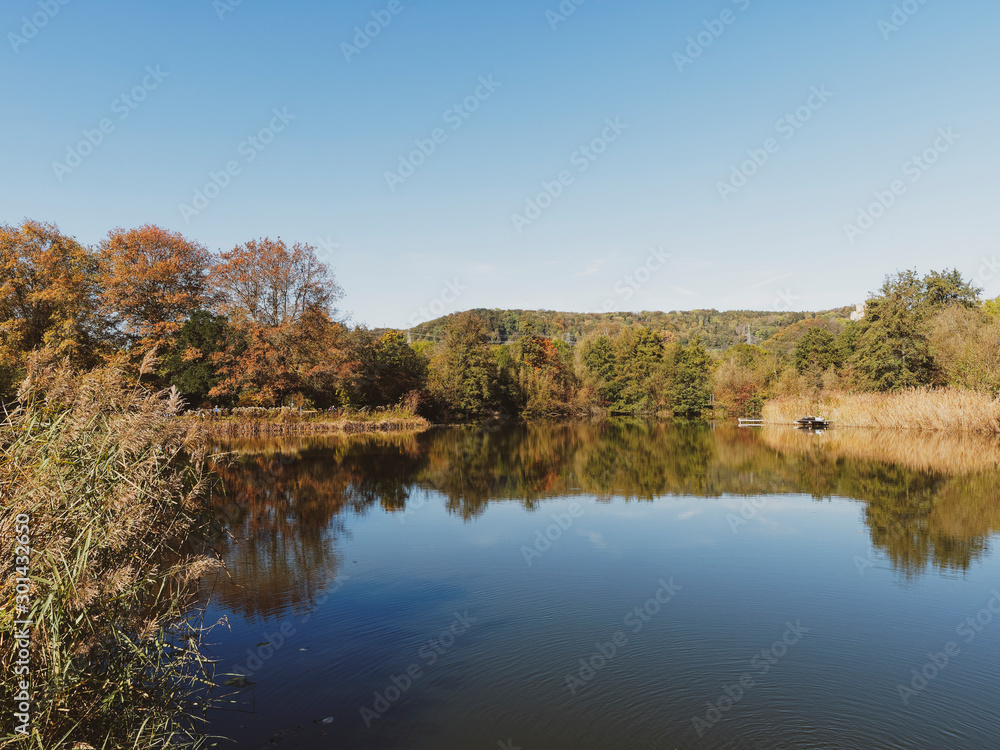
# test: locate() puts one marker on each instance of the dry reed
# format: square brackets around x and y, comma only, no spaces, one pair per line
[112,486]
[952,409]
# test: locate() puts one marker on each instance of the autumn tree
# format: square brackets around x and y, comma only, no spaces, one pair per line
[300,363]
[965,343]
[743,379]
[267,283]
[47,299]
[152,279]
[539,374]
[279,302]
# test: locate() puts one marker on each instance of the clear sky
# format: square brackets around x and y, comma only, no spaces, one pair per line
[182,86]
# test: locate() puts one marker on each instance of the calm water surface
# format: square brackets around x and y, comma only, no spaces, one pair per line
[621,584]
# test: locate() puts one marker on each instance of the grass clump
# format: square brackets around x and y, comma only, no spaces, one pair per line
[114,488]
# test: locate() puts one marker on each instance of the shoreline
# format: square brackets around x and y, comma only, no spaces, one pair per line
[236,427]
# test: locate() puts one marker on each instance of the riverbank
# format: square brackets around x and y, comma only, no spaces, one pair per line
[952,409]
[250,422]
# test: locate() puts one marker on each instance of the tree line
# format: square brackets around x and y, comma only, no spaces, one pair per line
[257,325]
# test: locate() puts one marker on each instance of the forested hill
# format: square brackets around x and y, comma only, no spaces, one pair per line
[717,330]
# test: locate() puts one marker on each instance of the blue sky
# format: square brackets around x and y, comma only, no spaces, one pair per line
[212,75]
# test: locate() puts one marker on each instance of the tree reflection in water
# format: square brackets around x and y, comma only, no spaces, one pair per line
[930,500]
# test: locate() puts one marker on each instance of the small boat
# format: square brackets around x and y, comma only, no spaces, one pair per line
[813,423]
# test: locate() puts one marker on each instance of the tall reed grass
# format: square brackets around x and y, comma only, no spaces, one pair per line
[919,408]
[113,487]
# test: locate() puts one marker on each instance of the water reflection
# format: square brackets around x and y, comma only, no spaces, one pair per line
[930,501]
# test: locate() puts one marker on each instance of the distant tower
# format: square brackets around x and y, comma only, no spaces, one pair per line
[859,312]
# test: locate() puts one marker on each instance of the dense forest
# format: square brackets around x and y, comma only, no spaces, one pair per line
[716,330]
[257,325]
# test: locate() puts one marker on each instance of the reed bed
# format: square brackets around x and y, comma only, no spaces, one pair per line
[948,409]
[110,488]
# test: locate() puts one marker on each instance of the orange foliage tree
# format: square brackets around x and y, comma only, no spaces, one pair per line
[152,280]
[287,347]
[289,364]
[267,283]
[47,298]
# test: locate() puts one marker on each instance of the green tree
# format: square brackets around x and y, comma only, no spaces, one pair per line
[638,354]
[192,365]
[892,351]
[598,359]
[949,288]
[383,368]
[464,373]
[690,392]
[816,351]
[992,307]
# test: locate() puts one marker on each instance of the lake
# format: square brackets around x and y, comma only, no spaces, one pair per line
[615,584]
